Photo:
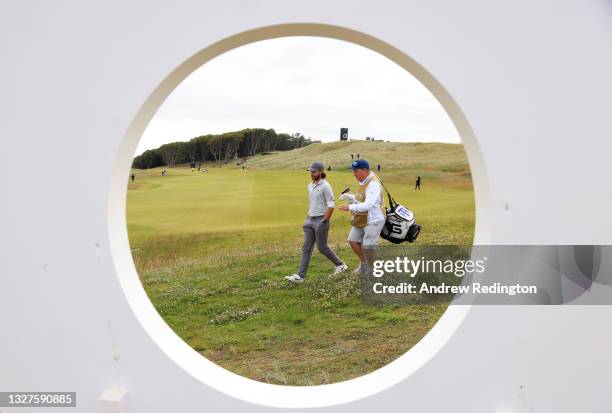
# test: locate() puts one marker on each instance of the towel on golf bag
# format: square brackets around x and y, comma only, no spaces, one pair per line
[400,225]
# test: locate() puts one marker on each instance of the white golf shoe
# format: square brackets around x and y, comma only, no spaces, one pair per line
[294,278]
[340,268]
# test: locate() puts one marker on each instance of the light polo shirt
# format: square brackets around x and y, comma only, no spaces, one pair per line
[372,202]
[320,197]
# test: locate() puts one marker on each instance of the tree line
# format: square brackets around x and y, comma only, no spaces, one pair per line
[220,148]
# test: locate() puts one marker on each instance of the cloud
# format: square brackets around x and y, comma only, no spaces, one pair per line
[309,85]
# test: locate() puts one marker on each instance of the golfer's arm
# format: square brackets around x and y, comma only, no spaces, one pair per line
[329,199]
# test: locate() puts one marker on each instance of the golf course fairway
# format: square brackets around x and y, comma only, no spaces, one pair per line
[212,248]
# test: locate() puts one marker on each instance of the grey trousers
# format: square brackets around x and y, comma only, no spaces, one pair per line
[315,232]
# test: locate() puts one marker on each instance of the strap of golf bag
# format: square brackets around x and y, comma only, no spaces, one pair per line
[392,203]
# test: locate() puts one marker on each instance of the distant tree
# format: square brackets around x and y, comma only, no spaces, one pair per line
[202,149]
[215,146]
[277,142]
[284,142]
[270,140]
[252,140]
[191,149]
[148,159]
[231,144]
[170,153]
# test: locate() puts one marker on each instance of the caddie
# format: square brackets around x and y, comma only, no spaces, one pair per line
[368,214]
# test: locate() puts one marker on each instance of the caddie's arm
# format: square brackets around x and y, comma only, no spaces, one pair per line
[372,195]
[346,197]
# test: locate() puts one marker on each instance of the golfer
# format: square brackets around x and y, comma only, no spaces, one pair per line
[368,214]
[316,225]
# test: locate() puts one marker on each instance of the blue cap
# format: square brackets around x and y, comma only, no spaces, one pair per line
[360,164]
[316,166]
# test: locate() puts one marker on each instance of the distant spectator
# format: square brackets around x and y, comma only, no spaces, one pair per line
[357,156]
[418,183]
[133,177]
[329,167]
[378,167]
[352,156]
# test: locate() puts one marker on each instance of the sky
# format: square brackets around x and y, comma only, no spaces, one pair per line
[308,85]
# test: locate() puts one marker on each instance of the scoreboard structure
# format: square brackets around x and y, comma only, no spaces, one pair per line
[344,134]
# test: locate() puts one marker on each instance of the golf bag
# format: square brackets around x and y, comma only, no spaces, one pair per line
[400,225]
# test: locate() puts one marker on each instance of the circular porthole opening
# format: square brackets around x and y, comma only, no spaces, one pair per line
[218,198]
